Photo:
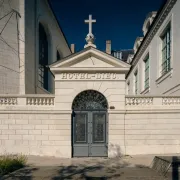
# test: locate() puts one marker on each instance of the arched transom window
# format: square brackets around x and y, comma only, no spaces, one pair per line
[90,100]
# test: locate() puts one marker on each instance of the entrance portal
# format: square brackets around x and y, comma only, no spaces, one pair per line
[90,125]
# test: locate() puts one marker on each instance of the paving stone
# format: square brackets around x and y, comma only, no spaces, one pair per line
[85,173]
[85,169]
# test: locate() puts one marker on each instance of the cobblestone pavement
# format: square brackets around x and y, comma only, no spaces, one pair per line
[85,169]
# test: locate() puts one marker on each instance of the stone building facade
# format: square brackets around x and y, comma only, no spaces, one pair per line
[20,48]
[77,106]
[156,60]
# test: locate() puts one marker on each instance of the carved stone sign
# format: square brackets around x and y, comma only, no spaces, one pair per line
[89,76]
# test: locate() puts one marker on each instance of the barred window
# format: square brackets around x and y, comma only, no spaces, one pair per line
[166,51]
[146,72]
[43,58]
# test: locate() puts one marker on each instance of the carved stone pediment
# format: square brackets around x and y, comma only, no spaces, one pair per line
[90,59]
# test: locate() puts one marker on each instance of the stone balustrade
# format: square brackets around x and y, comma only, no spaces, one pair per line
[134,101]
[152,100]
[40,101]
[27,100]
[171,101]
[49,100]
[8,101]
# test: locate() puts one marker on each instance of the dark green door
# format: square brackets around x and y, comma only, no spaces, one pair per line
[90,129]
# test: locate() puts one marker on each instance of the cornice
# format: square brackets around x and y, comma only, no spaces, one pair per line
[86,69]
[167,8]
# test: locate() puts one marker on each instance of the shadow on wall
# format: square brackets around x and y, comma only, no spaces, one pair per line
[115,150]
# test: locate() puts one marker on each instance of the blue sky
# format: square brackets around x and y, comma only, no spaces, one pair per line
[120,21]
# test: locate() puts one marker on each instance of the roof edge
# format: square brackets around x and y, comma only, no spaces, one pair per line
[50,5]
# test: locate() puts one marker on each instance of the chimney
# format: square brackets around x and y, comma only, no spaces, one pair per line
[73,48]
[108,46]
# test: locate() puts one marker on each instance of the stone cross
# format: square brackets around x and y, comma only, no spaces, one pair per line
[90,21]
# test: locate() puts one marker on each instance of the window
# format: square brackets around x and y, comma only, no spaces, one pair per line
[120,55]
[43,58]
[117,54]
[146,72]
[166,51]
[148,25]
[128,87]
[58,56]
[136,82]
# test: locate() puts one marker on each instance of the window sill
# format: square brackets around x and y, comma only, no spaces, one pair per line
[44,90]
[145,91]
[164,76]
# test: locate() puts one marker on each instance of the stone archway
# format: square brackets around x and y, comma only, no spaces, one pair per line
[89,125]
[90,100]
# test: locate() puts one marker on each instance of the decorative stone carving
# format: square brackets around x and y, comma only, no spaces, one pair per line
[90,100]
[90,40]
[8,101]
[89,76]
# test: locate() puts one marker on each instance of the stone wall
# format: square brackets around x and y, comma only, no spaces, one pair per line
[116,134]
[144,132]
[31,125]
[152,132]
[66,91]
[152,125]
[35,126]
[9,47]
[40,133]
